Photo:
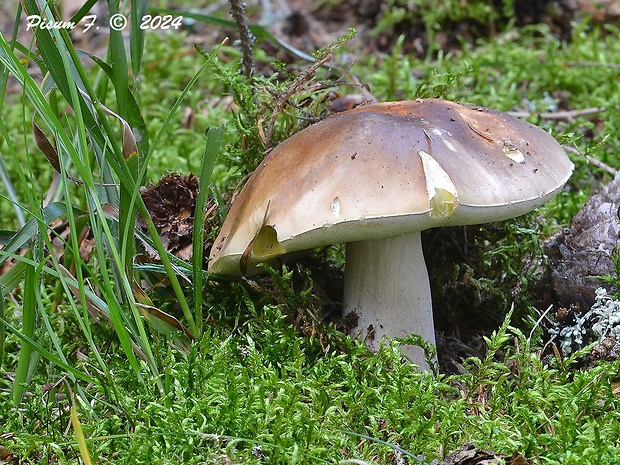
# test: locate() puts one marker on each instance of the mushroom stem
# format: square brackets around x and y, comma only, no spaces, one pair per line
[386,285]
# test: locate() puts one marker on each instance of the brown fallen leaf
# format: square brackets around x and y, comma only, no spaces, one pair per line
[7,458]
[469,455]
[46,147]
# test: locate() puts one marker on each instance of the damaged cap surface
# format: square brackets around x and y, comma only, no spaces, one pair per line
[386,170]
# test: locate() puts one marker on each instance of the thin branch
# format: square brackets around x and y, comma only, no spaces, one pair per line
[593,161]
[587,64]
[568,115]
[283,99]
[237,9]
[600,164]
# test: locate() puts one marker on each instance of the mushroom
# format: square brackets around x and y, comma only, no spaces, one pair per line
[373,178]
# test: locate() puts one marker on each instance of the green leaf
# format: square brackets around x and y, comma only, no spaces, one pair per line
[135,120]
[212,147]
[51,51]
[1,327]
[137,35]
[31,284]
[30,229]
[47,354]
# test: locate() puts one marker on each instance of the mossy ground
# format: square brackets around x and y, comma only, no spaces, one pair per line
[266,380]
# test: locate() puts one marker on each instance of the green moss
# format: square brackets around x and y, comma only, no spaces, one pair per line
[258,387]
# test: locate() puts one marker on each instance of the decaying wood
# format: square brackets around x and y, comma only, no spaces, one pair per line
[582,253]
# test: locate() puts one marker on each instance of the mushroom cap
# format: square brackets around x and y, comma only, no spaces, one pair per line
[385,170]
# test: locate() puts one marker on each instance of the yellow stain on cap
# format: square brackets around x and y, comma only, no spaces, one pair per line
[264,246]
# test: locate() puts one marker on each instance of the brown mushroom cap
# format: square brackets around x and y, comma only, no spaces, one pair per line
[385,170]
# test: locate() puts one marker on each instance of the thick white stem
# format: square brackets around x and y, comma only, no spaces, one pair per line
[386,285]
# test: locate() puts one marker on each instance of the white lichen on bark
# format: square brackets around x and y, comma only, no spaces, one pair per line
[601,321]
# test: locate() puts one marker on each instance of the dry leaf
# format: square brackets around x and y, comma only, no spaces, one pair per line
[469,455]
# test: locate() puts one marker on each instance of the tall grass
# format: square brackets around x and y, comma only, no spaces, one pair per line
[101,157]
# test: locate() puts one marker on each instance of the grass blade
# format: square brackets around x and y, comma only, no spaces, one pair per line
[53,54]
[1,327]
[79,436]
[47,354]
[11,192]
[387,444]
[212,147]
[30,229]
[137,35]
[260,32]
[164,256]
[78,153]
[28,325]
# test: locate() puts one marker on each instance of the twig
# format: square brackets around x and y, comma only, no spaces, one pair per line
[604,166]
[568,115]
[542,317]
[592,63]
[592,160]
[237,9]
[283,99]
